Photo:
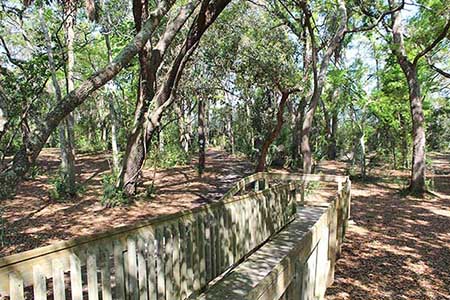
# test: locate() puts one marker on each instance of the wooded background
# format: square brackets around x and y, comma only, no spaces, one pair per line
[285,83]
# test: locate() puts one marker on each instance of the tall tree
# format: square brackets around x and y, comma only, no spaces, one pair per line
[26,156]
[165,95]
[319,76]
[410,69]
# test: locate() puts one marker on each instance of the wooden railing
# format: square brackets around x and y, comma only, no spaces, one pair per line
[298,262]
[167,257]
[170,257]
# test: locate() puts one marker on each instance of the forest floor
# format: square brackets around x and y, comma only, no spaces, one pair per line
[397,246]
[32,219]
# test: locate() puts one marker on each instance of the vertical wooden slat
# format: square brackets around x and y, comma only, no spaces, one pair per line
[196,254]
[168,262]
[59,292]
[160,263]
[183,258]
[131,269]
[241,241]
[39,284]
[213,236]
[151,266]
[75,277]
[142,269]
[176,260]
[223,239]
[251,221]
[119,270]
[226,237]
[201,248]
[189,258]
[208,262]
[234,230]
[16,286]
[217,241]
[92,279]
[105,273]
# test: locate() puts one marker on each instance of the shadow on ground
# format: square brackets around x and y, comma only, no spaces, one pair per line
[398,247]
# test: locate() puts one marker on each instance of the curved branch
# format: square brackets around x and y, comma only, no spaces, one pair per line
[430,47]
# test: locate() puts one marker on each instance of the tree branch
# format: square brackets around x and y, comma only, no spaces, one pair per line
[430,47]
[377,21]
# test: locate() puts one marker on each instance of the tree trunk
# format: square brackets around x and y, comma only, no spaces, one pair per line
[26,156]
[417,183]
[142,132]
[135,156]
[362,142]
[319,81]
[261,166]
[66,134]
[183,134]
[418,167]
[112,111]
[332,143]
[201,136]
[67,166]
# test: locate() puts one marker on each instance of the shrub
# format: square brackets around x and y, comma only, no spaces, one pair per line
[61,190]
[112,196]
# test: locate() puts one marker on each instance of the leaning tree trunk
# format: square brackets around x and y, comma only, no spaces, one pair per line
[142,132]
[201,136]
[319,80]
[133,161]
[261,166]
[26,156]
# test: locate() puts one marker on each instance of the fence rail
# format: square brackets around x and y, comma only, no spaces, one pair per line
[168,257]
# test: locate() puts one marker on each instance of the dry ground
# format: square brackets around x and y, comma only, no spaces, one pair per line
[34,220]
[398,246]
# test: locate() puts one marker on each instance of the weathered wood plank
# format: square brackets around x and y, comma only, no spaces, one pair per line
[142,269]
[75,277]
[183,259]
[105,272]
[176,260]
[92,278]
[160,256]
[16,286]
[59,290]
[201,248]
[40,284]
[151,266]
[208,246]
[168,262]
[119,270]
[131,269]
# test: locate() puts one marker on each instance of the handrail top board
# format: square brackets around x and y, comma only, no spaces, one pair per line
[250,276]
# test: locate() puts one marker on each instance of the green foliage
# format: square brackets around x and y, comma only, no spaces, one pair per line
[150,191]
[112,196]
[61,191]
[3,233]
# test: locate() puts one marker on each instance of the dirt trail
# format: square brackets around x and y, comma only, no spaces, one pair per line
[398,246]
[33,220]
